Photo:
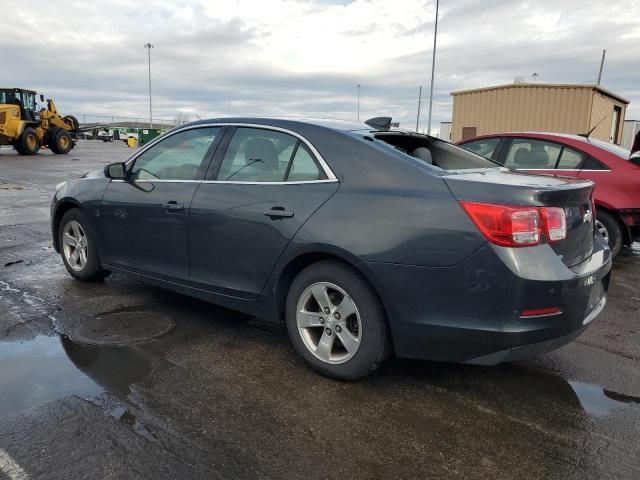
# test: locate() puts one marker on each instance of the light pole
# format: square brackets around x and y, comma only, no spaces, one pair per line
[433,68]
[358,114]
[419,102]
[150,46]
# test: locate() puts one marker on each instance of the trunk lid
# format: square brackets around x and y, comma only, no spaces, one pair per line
[515,188]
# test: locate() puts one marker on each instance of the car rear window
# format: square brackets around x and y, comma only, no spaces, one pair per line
[444,155]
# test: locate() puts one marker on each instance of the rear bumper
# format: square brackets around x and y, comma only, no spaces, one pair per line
[472,312]
[525,351]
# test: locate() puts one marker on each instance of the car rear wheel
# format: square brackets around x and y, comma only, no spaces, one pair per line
[78,248]
[610,229]
[336,322]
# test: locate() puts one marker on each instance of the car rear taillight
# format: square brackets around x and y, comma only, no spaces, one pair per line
[517,226]
[555,223]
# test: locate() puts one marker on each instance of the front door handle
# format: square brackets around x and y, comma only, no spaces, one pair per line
[172,206]
[279,212]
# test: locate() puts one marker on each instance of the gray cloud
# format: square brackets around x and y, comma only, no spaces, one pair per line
[92,59]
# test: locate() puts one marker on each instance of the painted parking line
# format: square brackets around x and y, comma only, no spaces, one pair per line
[10,468]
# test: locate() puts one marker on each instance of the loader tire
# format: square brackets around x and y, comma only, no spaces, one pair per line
[73,121]
[60,141]
[28,143]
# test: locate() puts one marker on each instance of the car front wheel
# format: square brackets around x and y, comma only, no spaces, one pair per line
[78,248]
[336,322]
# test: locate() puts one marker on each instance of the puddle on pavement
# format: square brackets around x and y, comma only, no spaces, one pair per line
[599,401]
[35,371]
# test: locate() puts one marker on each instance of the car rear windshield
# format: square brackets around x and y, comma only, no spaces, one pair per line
[611,148]
[438,153]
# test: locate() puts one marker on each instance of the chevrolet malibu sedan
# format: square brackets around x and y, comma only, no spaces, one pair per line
[366,242]
[617,177]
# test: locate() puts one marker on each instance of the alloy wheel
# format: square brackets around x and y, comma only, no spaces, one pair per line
[74,241]
[329,323]
[603,230]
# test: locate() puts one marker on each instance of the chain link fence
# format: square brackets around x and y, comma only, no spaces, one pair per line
[87,120]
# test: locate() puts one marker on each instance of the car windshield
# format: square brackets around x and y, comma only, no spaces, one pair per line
[611,148]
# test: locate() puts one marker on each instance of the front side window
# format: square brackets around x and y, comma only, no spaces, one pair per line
[257,155]
[529,154]
[177,157]
[484,147]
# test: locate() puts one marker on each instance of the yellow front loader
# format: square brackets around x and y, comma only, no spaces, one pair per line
[27,129]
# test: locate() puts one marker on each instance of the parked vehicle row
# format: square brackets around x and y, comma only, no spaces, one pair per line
[365,241]
[617,177]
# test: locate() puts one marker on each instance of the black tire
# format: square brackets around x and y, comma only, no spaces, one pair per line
[50,134]
[92,270]
[73,121]
[612,230]
[60,141]
[375,341]
[28,142]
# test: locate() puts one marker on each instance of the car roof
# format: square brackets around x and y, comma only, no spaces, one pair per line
[569,136]
[330,123]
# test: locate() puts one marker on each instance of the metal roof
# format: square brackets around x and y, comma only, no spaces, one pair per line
[590,86]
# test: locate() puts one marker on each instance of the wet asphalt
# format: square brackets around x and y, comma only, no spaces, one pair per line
[203,392]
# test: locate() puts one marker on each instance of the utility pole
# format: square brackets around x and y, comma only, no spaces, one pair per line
[358,115]
[150,46]
[604,52]
[433,68]
[419,101]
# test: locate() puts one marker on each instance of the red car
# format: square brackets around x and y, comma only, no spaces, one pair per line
[617,179]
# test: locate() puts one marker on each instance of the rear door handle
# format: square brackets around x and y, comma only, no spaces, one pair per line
[279,212]
[172,206]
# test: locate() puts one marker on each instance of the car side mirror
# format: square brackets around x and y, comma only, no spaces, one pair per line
[116,171]
[42,98]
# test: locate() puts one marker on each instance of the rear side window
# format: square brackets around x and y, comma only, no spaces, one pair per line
[570,159]
[484,147]
[257,155]
[525,153]
[592,164]
[304,167]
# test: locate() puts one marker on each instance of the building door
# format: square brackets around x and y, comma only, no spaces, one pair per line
[615,125]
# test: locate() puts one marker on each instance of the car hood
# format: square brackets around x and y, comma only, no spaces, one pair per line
[94,174]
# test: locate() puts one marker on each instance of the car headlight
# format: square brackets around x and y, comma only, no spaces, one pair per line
[60,185]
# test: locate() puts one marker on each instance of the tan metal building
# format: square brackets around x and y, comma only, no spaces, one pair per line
[538,107]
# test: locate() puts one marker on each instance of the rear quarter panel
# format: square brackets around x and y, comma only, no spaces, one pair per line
[425,228]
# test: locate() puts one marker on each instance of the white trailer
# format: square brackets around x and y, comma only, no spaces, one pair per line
[629,131]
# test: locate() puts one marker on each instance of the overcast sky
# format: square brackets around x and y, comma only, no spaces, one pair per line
[276,57]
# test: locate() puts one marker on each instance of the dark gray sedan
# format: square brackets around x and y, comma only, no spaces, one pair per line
[364,240]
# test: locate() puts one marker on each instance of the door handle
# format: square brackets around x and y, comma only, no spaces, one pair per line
[172,206]
[279,212]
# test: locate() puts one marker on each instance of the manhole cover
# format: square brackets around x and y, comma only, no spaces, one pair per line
[122,327]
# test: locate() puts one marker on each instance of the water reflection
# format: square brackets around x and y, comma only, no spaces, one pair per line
[599,401]
[44,368]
